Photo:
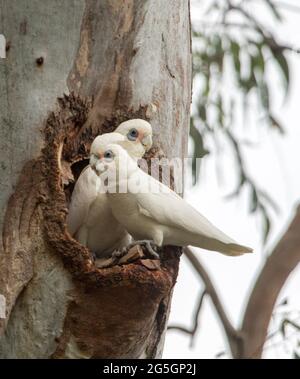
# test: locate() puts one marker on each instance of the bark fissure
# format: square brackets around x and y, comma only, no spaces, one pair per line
[59,303]
[83,336]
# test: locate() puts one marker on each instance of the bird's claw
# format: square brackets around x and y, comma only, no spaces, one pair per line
[152,249]
[149,245]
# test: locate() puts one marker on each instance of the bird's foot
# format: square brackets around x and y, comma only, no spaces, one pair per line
[118,255]
[150,246]
[114,259]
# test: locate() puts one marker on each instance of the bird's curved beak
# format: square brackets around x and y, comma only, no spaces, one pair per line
[97,165]
[100,167]
[147,142]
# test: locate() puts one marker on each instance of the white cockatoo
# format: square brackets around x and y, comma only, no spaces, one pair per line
[90,220]
[152,213]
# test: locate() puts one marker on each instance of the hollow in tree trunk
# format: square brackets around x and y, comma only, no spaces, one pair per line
[73,70]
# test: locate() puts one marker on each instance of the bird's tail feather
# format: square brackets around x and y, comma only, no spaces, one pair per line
[234,249]
[226,248]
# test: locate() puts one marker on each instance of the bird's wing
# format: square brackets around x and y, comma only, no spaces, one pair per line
[167,208]
[83,195]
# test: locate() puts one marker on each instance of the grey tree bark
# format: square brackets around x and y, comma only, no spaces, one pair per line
[113,60]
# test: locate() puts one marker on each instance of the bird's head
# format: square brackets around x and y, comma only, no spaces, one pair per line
[111,159]
[98,148]
[138,134]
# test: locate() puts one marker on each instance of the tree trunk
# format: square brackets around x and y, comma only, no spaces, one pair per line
[115,60]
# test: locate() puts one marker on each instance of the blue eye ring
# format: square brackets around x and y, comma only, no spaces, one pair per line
[133,134]
[108,155]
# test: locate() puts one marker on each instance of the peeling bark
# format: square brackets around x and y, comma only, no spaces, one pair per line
[117,66]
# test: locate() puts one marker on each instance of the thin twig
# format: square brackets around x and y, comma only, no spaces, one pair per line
[192,332]
[274,333]
[234,336]
[290,322]
[269,39]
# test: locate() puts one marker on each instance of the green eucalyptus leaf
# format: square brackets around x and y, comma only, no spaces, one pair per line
[276,124]
[264,95]
[266,227]
[246,53]
[235,53]
[259,60]
[283,328]
[254,200]
[202,111]
[283,64]
[199,150]
[219,104]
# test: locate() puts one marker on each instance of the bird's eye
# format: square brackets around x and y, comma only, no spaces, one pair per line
[108,155]
[132,134]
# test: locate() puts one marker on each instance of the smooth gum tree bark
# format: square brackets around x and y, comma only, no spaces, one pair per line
[73,70]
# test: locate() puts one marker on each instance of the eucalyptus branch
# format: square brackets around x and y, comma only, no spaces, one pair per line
[192,332]
[235,338]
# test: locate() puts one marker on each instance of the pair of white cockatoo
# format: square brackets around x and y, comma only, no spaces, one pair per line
[106,222]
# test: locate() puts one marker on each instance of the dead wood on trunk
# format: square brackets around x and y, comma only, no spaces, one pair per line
[132,59]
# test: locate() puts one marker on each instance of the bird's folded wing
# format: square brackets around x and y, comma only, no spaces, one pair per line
[84,194]
[167,208]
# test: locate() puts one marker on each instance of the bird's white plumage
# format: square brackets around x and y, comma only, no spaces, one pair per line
[90,219]
[163,216]
[84,193]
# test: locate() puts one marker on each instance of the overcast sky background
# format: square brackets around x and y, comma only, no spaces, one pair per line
[274,164]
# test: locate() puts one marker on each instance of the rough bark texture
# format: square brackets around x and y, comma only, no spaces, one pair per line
[116,60]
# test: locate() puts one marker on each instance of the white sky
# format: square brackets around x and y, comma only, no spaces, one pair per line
[274,163]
